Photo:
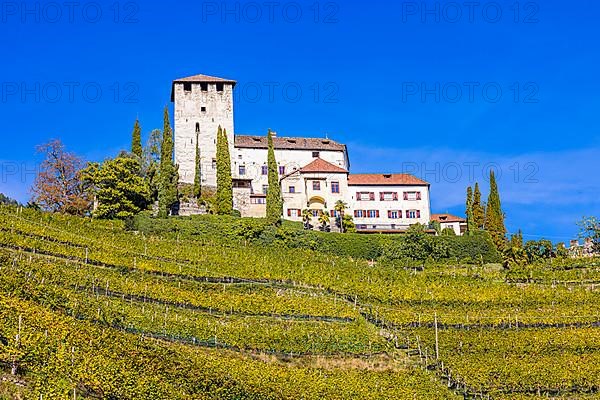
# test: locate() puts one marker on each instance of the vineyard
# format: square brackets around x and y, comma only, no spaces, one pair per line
[91,310]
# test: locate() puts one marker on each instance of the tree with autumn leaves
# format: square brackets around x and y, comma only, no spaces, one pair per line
[58,186]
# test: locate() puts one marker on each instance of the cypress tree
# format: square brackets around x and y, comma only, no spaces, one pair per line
[224,180]
[136,140]
[274,203]
[470,223]
[478,209]
[167,195]
[494,217]
[198,175]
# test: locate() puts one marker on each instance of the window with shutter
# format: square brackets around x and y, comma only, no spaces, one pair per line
[395,196]
[418,214]
[377,214]
[418,195]
[358,196]
[372,196]
[405,195]
[381,196]
[289,212]
[356,213]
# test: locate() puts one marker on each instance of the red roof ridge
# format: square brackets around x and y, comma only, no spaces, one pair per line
[320,165]
[445,217]
[385,179]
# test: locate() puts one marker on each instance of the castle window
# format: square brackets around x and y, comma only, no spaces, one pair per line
[316,185]
[258,200]
[412,214]
[265,189]
[197,127]
[242,170]
[394,214]
[292,189]
[373,214]
[316,154]
[203,109]
[220,87]
[204,87]
[214,163]
[265,170]
[187,87]
[282,170]
[335,187]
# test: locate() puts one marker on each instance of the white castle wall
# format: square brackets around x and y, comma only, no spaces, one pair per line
[254,159]
[385,206]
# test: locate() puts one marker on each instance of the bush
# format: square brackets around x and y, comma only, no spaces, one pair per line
[414,245]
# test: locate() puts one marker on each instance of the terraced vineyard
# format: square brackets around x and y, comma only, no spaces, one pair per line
[90,310]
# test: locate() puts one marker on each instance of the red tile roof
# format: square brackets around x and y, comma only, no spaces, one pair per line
[320,165]
[385,179]
[288,143]
[446,218]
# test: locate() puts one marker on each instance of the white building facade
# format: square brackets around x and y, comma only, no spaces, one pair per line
[314,172]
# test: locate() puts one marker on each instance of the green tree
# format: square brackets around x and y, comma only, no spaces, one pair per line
[436,226]
[590,229]
[7,200]
[478,209]
[136,140]
[224,203]
[151,162]
[274,202]
[448,232]
[324,220]
[494,217]
[348,225]
[306,218]
[198,175]
[167,193]
[340,207]
[118,187]
[470,223]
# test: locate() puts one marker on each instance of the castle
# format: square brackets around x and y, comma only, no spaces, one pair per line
[314,172]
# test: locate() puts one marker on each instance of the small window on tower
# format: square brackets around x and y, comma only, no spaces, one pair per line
[187,87]
[203,109]
[197,127]
[204,87]
[214,163]
[220,87]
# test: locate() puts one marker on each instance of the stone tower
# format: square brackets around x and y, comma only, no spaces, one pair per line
[202,103]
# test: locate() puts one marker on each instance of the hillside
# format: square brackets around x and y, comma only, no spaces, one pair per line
[92,310]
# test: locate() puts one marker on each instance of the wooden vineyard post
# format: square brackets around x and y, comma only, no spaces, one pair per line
[437,347]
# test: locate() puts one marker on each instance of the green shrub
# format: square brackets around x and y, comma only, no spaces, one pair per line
[414,245]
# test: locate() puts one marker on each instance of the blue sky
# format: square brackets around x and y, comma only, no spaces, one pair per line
[441,89]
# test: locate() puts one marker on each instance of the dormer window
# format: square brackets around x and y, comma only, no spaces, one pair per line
[387,176]
[316,154]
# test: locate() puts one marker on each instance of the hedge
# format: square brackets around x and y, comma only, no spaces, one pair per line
[232,230]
